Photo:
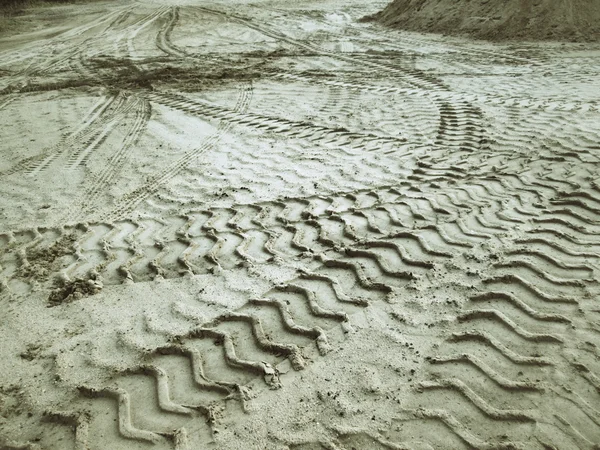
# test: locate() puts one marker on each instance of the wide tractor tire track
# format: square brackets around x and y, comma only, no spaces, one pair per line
[459,209]
[489,370]
[195,242]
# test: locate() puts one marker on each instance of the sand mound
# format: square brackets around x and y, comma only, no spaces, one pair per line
[571,20]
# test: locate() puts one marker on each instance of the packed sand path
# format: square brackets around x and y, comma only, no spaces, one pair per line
[272,226]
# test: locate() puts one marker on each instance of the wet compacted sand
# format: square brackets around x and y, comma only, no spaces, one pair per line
[274,226]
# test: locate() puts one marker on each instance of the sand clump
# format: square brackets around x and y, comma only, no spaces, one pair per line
[67,291]
[39,261]
[570,20]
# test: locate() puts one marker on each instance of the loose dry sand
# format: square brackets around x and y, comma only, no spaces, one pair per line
[269,225]
[568,20]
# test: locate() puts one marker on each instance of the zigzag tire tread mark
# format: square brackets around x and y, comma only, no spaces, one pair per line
[302,312]
[186,349]
[497,364]
[292,302]
[349,225]
[163,38]
[299,306]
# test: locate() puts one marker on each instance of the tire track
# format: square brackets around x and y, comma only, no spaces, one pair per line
[460,122]
[491,370]
[415,78]
[115,162]
[7,102]
[525,306]
[377,226]
[46,45]
[341,138]
[352,274]
[56,55]
[396,39]
[352,110]
[512,236]
[130,201]
[453,96]
[146,22]
[89,135]
[163,38]
[286,300]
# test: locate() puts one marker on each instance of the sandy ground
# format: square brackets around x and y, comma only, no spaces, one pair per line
[270,226]
[564,20]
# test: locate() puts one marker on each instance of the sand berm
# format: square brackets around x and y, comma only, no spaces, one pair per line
[571,20]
